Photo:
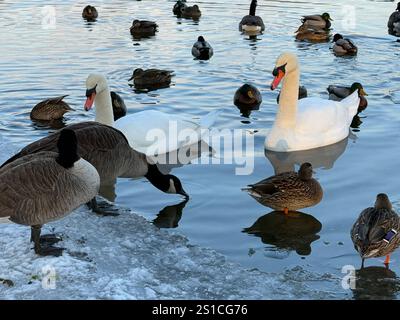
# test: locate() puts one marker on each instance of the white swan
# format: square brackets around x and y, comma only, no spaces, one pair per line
[150,132]
[307,123]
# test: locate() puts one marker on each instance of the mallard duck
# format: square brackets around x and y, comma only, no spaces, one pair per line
[394,22]
[118,104]
[143,28]
[343,46]
[338,93]
[252,23]
[376,232]
[90,13]
[288,191]
[192,12]
[302,93]
[50,109]
[312,35]
[247,96]
[151,78]
[46,186]
[179,6]
[201,49]
[317,21]
[310,122]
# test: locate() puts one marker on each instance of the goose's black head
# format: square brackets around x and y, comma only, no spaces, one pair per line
[167,183]
[67,148]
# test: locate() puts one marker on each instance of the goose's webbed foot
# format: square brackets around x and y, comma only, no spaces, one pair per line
[103,209]
[43,245]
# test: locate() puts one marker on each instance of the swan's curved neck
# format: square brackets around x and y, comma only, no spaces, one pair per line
[287,112]
[104,111]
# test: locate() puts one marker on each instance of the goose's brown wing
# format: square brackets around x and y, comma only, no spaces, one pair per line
[35,189]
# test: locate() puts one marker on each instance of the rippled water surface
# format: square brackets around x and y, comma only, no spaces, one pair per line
[37,62]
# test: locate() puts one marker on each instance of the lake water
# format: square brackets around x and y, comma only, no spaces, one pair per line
[39,60]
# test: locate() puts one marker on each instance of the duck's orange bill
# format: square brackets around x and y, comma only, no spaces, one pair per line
[277,80]
[89,102]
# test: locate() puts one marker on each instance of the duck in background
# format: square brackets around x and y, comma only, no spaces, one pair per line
[251,23]
[90,13]
[314,28]
[50,109]
[338,93]
[143,28]
[151,78]
[302,94]
[118,104]
[394,22]
[202,50]
[192,12]
[376,232]
[288,191]
[317,21]
[343,47]
[247,98]
[50,185]
[179,6]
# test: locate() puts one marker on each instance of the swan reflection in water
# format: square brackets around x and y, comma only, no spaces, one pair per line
[170,216]
[324,157]
[376,283]
[295,231]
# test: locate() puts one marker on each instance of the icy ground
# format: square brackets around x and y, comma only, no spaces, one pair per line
[126,257]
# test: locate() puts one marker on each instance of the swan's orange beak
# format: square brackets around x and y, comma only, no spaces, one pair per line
[89,101]
[277,80]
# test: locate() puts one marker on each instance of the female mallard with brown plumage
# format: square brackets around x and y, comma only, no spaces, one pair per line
[179,6]
[143,28]
[50,109]
[338,93]
[376,231]
[288,191]
[90,13]
[192,12]
[151,77]
[252,23]
[343,47]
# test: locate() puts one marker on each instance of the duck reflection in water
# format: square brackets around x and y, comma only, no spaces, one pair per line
[295,231]
[375,283]
[170,216]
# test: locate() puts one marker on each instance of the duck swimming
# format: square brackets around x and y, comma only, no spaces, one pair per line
[310,122]
[192,12]
[90,13]
[338,93]
[50,109]
[151,78]
[143,28]
[376,232]
[118,105]
[247,96]
[46,186]
[252,23]
[179,6]
[394,22]
[288,191]
[316,21]
[202,50]
[343,46]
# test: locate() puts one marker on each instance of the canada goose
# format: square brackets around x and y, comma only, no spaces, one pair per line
[394,22]
[118,104]
[143,28]
[247,98]
[201,49]
[151,78]
[179,6]
[302,93]
[50,109]
[252,23]
[192,12]
[288,191]
[338,93]
[38,188]
[376,232]
[90,13]
[343,46]
[109,152]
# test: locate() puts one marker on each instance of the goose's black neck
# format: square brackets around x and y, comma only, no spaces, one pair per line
[157,178]
[67,149]
[253,7]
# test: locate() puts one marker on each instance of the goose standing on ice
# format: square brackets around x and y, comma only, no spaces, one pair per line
[38,188]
